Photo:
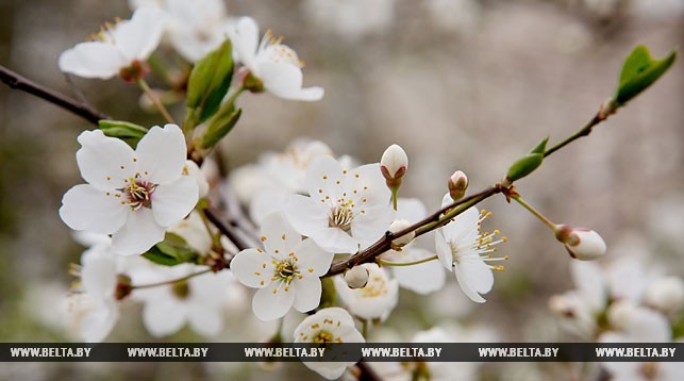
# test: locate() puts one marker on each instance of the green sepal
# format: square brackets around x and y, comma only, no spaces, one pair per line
[524,166]
[639,72]
[130,133]
[221,124]
[208,84]
[171,251]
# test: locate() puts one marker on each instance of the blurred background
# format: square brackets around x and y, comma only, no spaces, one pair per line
[459,84]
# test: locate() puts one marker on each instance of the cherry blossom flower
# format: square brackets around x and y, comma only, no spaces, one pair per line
[286,271]
[197,301]
[374,301]
[274,64]
[347,209]
[465,250]
[133,195]
[118,48]
[329,325]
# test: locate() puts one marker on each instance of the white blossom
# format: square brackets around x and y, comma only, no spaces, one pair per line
[465,250]
[274,64]
[346,210]
[329,325]
[374,301]
[666,294]
[116,47]
[286,272]
[133,195]
[197,301]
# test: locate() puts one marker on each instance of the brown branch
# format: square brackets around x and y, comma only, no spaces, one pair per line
[225,229]
[366,373]
[18,82]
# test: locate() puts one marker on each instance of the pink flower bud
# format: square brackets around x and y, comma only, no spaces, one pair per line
[458,183]
[394,164]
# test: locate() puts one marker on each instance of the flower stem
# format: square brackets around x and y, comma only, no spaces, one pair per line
[155,99]
[159,69]
[534,211]
[389,263]
[395,197]
[168,282]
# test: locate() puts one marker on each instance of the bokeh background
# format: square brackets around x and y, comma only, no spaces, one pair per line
[459,84]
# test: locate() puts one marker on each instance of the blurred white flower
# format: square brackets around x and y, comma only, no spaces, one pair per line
[197,301]
[458,16]
[133,195]
[666,294]
[351,19]
[347,209]
[329,325]
[274,64]
[286,272]
[117,48]
[465,250]
[374,301]
[191,169]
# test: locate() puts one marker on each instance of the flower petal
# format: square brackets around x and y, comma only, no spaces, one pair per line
[86,208]
[104,161]
[284,80]
[138,37]
[99,321]
[308,293]
[252,267]
[423,278]
[205,320]
[444,254]
[162,317]
[161,153]
[273,302]
[245,38]
[411,210]
[372,225]
[278,236]
[313,257]
[323,178]
[304,215]
[139,234]
[335,240]
[92,60]
[370,185]
[266,202]
[172,202]
[474,277]
[98,274]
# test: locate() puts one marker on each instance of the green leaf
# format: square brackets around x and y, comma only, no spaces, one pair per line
[639,72]
[208,84]
[222,123]
[129,132]
[524,166]
[171,252]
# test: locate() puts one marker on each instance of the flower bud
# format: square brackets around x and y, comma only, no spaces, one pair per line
[393,165]
[397,226]
[458,184]
[666,294]
[356,277]
[582,244]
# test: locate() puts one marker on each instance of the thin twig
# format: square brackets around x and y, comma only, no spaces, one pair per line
[225,229]
[19,82]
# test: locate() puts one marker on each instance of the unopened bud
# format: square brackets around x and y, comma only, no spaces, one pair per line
[582,244]
[666,294]
[356,277]
[397,226]
[458,184]
[393,165]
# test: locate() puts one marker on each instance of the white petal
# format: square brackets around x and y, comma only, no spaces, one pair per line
[335,240]
[308,293]
[245,37]
[97,324]
[368,181]
[411,209]
[92,60]
[98,274]
[285,81]
[369,227]
[161,153]
[265,202]
[322,177]
[313,259]
[206,320]
[163,317]
[252,267]
[589,280]
[172,202]
[269,305]
[474,277]
[423,278]
[104,161]
[444,254]
[86,208]
[278,236]
[139,234]
[463,230]
[304,215]
[140,36]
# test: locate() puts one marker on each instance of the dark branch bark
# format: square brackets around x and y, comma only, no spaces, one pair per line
[18,82]
[226,230]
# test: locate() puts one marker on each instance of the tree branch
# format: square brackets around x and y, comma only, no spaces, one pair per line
[18,82]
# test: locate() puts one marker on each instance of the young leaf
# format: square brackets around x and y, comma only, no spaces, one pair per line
[639,72]
[129,132]
[222,123]
[171,252]
[208,84]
